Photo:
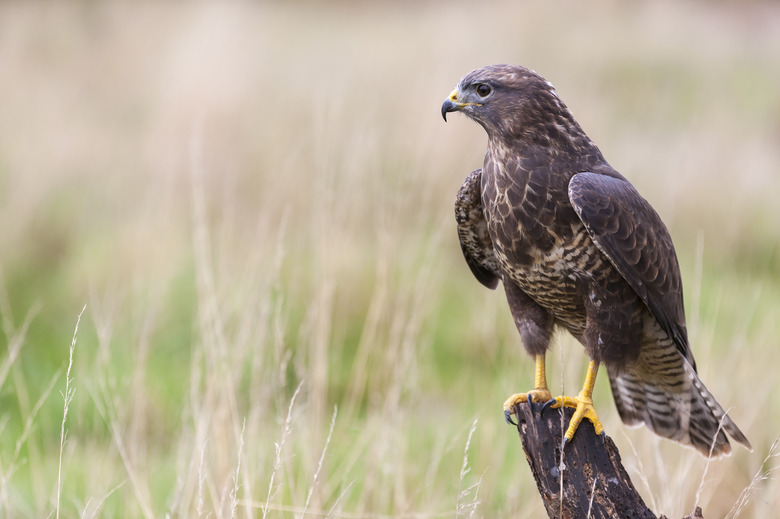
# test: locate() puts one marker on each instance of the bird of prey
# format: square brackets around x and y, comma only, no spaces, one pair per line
[577,247]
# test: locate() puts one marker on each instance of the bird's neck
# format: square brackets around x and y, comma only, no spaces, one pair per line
[548,145]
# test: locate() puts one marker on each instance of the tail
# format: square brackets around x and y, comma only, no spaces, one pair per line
[664,392]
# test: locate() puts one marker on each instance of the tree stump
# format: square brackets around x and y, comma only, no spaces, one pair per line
[590,481]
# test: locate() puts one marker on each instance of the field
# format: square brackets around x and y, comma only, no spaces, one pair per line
[252,204]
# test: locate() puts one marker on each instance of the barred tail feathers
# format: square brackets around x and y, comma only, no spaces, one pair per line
[663,391]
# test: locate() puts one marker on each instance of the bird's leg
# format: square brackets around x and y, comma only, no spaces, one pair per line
[582,404]
[539,394]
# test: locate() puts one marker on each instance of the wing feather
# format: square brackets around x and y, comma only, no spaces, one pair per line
[473,234]
[631,234]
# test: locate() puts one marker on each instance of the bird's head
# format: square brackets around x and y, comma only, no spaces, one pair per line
[510,101]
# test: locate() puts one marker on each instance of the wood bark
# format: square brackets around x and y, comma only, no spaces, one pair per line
[589,481]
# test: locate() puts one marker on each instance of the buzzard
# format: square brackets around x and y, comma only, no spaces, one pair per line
[577,247]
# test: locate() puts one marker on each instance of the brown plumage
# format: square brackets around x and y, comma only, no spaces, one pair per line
[577,246]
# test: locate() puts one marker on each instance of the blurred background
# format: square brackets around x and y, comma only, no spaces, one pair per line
[254,202]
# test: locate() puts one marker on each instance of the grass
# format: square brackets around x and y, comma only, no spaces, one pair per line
[254,201]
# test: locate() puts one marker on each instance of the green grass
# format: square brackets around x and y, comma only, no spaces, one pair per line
[256,199]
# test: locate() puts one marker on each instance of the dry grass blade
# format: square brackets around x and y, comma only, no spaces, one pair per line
[320,462]
[561,465]
[67,397]
[641,473]
[199,507]
[464,470]
[592,496]
[15,341]
[234,490]
[707,462]
[28,427]
[99,505]
[339,499]
[761,475]
[279,448]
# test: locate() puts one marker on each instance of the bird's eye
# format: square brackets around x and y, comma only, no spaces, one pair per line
[483,90]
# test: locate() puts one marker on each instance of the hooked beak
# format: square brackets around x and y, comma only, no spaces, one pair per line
[451,104]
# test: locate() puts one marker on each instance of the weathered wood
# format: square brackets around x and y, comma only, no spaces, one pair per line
[594,483]
[695,515]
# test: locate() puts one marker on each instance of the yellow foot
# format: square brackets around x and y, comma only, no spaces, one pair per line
[538,395]
[583,408]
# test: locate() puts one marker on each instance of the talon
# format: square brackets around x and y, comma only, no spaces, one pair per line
[539,394]
[583,408]
[582,405]
[547,405]
[564,442]
[533,404]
